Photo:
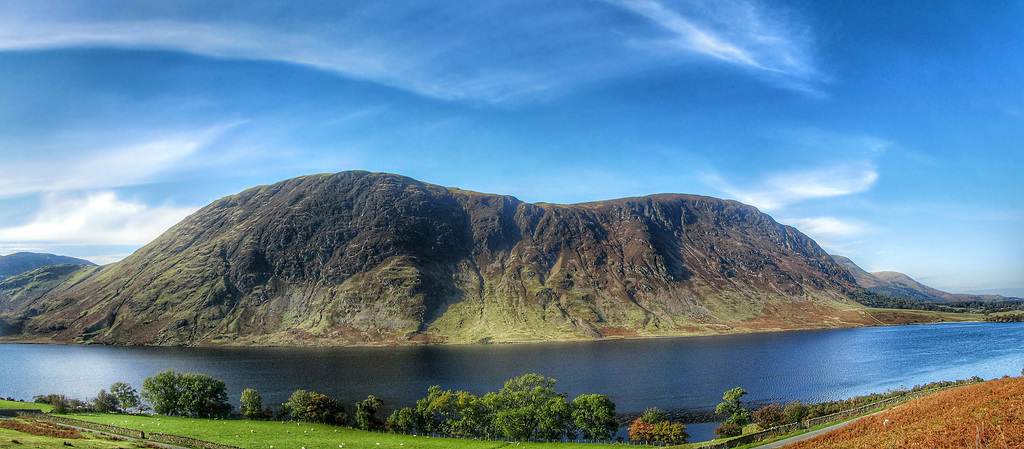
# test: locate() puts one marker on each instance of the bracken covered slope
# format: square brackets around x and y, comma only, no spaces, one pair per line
[985,415]
[368,258]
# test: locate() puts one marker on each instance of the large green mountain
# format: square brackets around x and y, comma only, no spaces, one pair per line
[367,258]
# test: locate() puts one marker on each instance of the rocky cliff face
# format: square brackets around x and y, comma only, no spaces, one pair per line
[364,258]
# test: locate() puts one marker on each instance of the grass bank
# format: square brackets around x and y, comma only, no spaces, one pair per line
[17,405]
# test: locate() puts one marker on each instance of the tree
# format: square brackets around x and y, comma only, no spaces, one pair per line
[737,414]
[105,403]
[667,432]
[795,412]
[641,430]
[252,405]
[126,395]
[459,414]
[204,397]
[728,429]
[61,404]
[366,413]
[653,415]
[189,394]
[528,407]
[769,416]
[654,427]
[403,420]
[594,416]
[162,392]
[311,406]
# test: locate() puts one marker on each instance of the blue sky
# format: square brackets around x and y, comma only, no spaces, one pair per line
[890,132]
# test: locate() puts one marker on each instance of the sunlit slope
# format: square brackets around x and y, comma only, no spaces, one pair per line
[366,258]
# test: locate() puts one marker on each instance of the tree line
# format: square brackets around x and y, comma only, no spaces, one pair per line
[883,301]
[526,408]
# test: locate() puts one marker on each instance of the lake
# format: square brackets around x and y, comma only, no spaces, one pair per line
[670,373]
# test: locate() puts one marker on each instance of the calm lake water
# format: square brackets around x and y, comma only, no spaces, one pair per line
[671,373]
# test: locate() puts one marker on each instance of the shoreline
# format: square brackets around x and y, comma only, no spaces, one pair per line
[732,329]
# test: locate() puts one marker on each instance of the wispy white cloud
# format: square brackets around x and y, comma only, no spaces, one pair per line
[777,190]
[740,32]
[99,218]
[491,51]
[834,166]
[99,168]
[830,227]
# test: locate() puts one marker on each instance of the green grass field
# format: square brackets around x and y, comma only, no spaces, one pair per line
[15,405]
[266,434]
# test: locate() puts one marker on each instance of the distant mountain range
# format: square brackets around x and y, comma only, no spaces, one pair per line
[371,258]
[18,263]
[899,285]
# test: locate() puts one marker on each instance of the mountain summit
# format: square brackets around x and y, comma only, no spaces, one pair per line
[368,258]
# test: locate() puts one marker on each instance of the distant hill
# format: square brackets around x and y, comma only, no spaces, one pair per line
[371,258]
[899,285]
[17,263]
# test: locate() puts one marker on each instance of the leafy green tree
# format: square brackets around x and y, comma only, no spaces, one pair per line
[204,397]
[528,407]
[366,413]
[252,404]
[653,415]
[795,412]
[126,395]
[162,391]
[61,404]
[737,414]
[459,414]
[404,420]
[667,432]
[311,406]
[190,394]
[297,405]
[105,403]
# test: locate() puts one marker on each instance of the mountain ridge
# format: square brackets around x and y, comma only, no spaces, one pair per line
[22,262]
[900,285]
[373,258]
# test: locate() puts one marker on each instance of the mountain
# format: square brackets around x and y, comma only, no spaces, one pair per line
[371,258]
[17,263]
[899,285]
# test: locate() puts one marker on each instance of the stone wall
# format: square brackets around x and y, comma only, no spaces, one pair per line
[86,424]
[186,441]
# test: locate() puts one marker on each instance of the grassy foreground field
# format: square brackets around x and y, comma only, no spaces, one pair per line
[985,415]
[266,434]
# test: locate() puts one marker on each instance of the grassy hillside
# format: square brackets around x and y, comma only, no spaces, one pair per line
[15,405]
[985,415]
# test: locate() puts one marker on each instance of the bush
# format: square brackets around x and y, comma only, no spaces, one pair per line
[189,394]
[795,412]
[728,430]
[769,416]
[311,406]
[366,414]
[106,403]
